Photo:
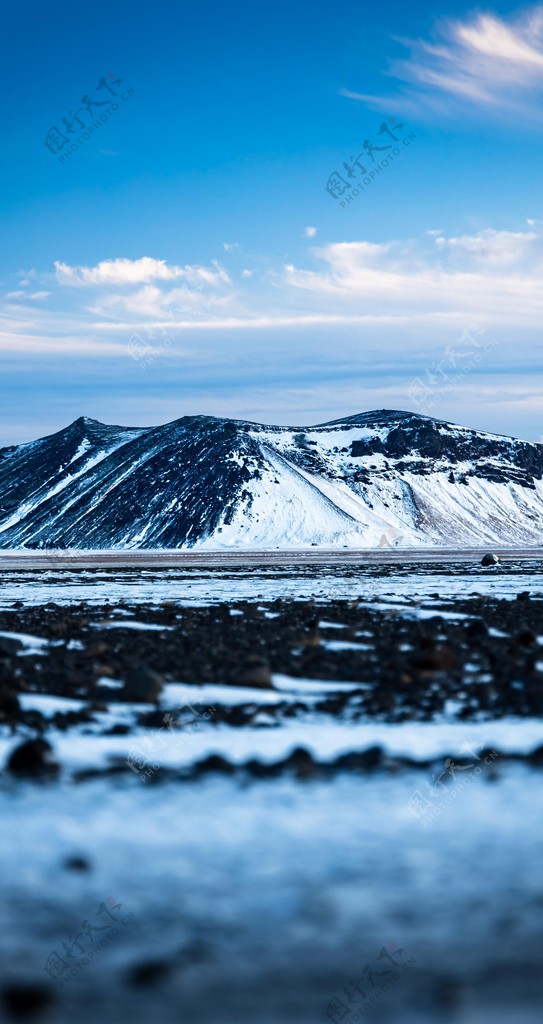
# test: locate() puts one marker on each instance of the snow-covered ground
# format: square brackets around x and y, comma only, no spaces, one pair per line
[399,582]
[267,902]
[325,738]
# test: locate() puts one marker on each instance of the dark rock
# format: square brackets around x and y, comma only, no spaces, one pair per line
[489,559]
[119,729]
[363,759]
[526,638]
[10,708]
[149,972]
[441,659]
[77,863]
[24,1001]
[33,758]
[476,628]
[536,757]
[447,993]
[214,763]
[142,685]
[372,757]
[301,762]
[9,645]
[255,672]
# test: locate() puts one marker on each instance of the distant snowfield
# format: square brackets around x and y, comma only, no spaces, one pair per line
[411,586]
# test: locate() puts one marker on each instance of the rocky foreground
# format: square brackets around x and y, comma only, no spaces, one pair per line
[272,810]
[486,657]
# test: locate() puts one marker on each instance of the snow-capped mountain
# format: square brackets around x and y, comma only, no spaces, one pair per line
[381,478]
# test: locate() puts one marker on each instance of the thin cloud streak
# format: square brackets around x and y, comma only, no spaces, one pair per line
[485,62]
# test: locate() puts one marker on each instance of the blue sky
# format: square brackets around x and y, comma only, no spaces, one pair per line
[187,258]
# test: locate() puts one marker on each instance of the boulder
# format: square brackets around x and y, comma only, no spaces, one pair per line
[255,672]
[489,559]
[33,758]
[142,685]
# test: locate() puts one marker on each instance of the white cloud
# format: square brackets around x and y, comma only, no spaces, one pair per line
[496,248]
[484,61]
[139,288]
[135,272]
[28,296]
[311,232]
[493,274]
[151,302]
[422,287]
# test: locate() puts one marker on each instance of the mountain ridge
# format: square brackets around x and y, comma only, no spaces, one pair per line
[377,478]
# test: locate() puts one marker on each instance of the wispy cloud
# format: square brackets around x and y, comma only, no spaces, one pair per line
[490,274]
[135,272]
[485,61]
[27,296]
[152,303]
[494,248]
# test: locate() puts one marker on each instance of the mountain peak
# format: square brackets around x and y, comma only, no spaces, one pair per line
[379,416]
[86,421]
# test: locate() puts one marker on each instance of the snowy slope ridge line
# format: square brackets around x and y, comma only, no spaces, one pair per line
[312,482]
[379,479]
